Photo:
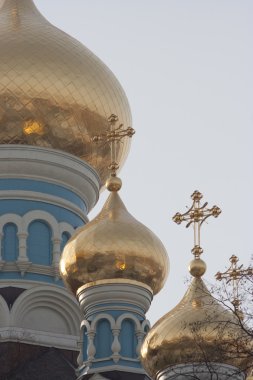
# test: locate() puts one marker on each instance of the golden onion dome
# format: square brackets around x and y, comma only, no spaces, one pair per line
[198,330]
[114,247]
[54,92]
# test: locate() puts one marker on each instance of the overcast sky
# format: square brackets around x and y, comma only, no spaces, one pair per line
[186,67]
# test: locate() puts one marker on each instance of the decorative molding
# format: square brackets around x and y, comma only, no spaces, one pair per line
[66,227]
[23,264]
[91,299]
[23,222]
[14,266]
[41,338]
[110,368]
[52,166]
[90,329]
[14,325]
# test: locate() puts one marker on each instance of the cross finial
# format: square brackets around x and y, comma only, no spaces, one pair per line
[233,275]
[113,136]
[196,215]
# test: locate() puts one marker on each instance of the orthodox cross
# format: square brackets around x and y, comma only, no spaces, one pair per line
[196,216]
[233,275]
[113,136]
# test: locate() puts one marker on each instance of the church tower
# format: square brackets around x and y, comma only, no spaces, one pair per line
[55,96]
[114,265]
[199,338]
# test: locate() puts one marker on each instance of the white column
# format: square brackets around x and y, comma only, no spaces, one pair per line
[56,252]
[22,238]
[91,349]
[22,262]
[116,347]
[140,336]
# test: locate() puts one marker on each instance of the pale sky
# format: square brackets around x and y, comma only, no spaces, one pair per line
[186,67]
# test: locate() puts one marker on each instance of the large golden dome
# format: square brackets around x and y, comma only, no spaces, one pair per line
[197,330]
[53,91]
[114,246]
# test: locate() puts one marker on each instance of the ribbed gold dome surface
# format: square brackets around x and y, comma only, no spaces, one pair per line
[114,246]
[53,91]
[197,330]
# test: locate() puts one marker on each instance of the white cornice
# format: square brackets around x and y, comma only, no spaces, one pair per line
[33,268]
[30,162]
[39,338]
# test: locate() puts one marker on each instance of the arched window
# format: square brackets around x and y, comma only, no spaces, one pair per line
[64,238]
[10,242]
[128,339]
[39,243]
[103,339]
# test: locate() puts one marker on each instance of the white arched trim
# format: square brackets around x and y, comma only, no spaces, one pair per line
[4,313]
[101,316]
[11,218]
[145,324]
[44,216]
[66,227]
[125,316]
[51,298]
[85,325]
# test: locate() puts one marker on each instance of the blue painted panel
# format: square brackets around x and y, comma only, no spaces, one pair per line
[103,339]
[64,238]
[42,187]
[85,345]
[128,339]
[21,207]
[39,245]
[10,242]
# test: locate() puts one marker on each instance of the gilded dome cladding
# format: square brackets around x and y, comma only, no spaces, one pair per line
[198,329]
[114,246]
[53,91]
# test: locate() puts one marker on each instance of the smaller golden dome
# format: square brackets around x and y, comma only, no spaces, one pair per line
[198,329]
[114,246]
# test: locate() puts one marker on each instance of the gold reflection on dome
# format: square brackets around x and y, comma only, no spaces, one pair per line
[50,78]
[33,126]
[198,329]
[114,246]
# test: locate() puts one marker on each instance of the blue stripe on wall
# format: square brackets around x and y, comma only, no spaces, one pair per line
[42,187]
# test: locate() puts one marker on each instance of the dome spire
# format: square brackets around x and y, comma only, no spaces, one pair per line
[233,275]
[196,216]
[197,338]
[113,137]
[114,245]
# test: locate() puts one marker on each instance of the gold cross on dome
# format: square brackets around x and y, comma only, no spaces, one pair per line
[114,134]
[196,216]
[233,275]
